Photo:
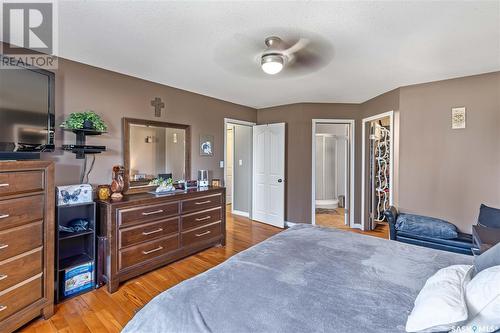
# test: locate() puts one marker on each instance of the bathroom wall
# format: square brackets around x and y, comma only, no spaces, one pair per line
[334,163]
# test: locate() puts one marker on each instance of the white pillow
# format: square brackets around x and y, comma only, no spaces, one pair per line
[440,305]
[483,301]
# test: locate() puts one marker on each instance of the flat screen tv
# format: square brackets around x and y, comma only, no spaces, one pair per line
[26,111]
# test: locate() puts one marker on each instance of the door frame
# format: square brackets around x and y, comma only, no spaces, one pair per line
[352,159]
[244,123]
[389,114]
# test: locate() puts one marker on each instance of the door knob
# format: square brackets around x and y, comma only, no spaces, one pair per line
[280,180]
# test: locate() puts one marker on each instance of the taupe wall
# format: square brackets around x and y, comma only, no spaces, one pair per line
[443,172]
[438,171]
[114,96]
[298,119]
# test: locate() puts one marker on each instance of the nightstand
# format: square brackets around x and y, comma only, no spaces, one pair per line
[483,238]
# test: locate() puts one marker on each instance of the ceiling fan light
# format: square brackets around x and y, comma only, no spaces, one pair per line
[272,64]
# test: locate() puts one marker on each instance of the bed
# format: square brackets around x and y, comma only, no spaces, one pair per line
[305,279]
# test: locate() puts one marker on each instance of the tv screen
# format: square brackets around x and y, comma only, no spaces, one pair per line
[26,109]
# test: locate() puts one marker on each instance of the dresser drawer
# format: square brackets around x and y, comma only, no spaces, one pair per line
[193,205]
[201,218]
[147,213]
[20,182]
[144,252]
[14,212]
[20,297]
[20,239]
[201,234]
[20,268]
[149,231]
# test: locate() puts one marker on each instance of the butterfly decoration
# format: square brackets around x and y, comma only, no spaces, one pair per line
[67,197]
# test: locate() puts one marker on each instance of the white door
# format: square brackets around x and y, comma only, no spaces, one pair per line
[229,166]
[268,195]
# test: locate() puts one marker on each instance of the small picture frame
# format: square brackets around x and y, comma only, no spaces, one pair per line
[216,182]
[458,118]
[206,145]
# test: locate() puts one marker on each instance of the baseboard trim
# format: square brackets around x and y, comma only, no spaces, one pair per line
[289,224]
[240,213]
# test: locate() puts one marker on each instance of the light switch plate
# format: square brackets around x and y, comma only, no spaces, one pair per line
[240,162]
[221,164]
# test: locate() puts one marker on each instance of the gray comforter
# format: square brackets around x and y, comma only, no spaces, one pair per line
[305,279]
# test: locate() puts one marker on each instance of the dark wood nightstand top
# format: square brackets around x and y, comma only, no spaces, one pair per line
[484,237]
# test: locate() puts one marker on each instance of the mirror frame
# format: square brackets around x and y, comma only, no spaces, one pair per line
[126,122]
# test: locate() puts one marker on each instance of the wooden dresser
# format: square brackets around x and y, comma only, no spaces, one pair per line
[26,242]
[145,231]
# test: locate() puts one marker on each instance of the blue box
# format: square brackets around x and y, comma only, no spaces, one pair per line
[78,279]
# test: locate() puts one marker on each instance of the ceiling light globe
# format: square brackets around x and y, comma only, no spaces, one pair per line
[272,64]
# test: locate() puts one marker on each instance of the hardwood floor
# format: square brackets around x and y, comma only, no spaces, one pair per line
[99,311]
[330,217]
[337,221]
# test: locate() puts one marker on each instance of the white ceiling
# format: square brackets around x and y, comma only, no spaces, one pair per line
[375,46]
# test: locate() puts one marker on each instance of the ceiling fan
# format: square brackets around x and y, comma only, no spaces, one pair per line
[279,54]
[293,54]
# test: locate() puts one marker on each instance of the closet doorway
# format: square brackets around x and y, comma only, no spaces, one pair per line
[238,166]
[377,170]
[333,173]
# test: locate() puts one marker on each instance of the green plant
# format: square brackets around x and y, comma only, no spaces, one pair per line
[161,182]
[77,119]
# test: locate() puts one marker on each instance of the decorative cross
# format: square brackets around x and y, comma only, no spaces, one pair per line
[158,104]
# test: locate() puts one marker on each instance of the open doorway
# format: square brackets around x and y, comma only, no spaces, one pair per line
[333,173]
[378,166]
[238,166]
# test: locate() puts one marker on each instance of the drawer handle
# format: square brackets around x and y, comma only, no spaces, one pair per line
[203,218]
[3,277]
[203,233]
[153,212]
[4,216]
[3,246]
[3,307]
[145,233]
[4,185]
[154,250]
[203,202]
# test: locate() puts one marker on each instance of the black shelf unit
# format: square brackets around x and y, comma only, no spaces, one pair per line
[81,136]
[74,249]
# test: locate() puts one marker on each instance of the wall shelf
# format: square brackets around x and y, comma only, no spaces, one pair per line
[63,235]
[80,149]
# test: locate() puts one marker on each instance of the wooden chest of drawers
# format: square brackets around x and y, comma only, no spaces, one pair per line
[26,242]
[145,231]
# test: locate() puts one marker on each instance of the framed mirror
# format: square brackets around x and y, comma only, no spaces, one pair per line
[154,149]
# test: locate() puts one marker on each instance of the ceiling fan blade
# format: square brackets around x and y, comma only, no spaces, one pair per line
[305,62]
[240,55]
[302,43]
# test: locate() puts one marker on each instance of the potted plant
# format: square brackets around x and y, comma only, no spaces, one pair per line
[164,185]
[84,120]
